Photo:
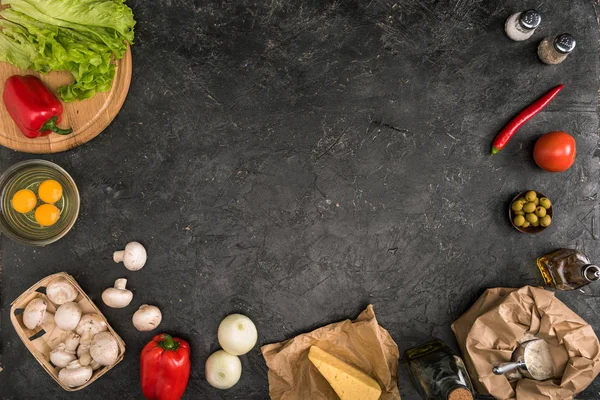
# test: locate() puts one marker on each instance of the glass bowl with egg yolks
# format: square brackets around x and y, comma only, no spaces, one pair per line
[37,183]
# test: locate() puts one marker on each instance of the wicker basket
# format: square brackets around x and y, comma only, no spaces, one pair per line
[41,343]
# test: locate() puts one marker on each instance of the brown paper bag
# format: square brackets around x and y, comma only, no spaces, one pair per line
[491,329]
[361,343]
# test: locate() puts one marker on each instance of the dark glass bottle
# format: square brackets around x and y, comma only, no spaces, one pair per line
[567,269]
[438,373]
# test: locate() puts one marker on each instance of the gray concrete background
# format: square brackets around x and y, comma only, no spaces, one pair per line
[296,161]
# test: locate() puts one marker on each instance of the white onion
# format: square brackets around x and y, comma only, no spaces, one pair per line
[237,334]
[223,370]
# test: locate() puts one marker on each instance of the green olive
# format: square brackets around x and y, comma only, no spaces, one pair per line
[545,221]
[526,224]
[535,224]
[544,202]
[540,211]
[536,201]
[519,220]
[530,196]
[520,212]
[522,200]
[517,206]
[529,207]
[532,218]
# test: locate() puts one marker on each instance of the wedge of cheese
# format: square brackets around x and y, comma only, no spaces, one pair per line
[348,382]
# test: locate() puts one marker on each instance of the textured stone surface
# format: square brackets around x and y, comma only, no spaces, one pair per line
[296,161]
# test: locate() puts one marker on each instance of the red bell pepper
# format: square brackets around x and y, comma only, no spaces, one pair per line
[165,368]
[35,110]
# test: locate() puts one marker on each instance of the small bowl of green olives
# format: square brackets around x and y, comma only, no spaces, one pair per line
[530,212]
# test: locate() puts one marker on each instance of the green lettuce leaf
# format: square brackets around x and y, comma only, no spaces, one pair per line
[31,36]
[15,47]
[88,13]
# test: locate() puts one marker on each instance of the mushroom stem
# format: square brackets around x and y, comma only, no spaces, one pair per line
[120,283]
[95,365]
[118,256]
[72,342]
[85,358]
[47,320]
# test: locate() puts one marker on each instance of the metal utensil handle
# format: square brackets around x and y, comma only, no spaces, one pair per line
[507,367]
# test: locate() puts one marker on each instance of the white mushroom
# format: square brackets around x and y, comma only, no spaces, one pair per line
[64,353]
[67,316]
[89,326]
[104,349]
[75,374]
[146,318]
[134,256]
[35,314]
[95,365]
[60,291]
[118,296]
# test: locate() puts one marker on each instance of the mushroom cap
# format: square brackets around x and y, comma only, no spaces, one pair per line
[134,256]
[60,291]
[60,356]
[34,312]
[91,324]
[67,316]
[146,318]
[117,298]
[75,374]
[104,349]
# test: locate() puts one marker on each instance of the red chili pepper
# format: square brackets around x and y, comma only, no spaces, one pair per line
[165,368]
[35,110]
[509,130]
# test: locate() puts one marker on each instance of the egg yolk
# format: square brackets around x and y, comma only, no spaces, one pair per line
[50,191]
[24,201]
[47,214]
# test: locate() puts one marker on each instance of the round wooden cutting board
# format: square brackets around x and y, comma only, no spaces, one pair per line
[87,118]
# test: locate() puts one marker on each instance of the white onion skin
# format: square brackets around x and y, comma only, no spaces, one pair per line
[237,334]
[223,370]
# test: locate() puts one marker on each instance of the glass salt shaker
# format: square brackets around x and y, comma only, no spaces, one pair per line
[520,26]
[554,50]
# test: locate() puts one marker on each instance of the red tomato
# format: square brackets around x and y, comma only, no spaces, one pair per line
[555,151]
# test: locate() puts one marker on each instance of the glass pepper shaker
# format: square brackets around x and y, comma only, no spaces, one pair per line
[554,50]
[520,26]
[439,374]
[567,269]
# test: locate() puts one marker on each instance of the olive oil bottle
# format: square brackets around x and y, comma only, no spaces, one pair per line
[567,269]
[437,373]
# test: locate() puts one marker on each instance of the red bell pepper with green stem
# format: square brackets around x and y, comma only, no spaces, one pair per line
[35,110]
[165,368]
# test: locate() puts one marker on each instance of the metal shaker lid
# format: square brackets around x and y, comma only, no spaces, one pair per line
[564,43]
[591,272]
[530,19]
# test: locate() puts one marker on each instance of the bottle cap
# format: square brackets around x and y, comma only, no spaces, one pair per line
[591,272]
[530,19]
[564,43]
[460,393]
